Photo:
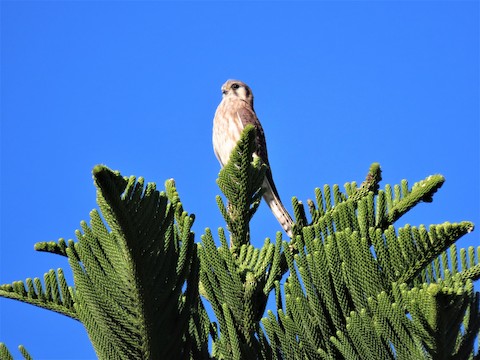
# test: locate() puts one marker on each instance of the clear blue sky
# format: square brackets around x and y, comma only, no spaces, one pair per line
[134,85]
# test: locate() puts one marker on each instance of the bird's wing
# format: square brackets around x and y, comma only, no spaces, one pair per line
[248,116]
[271,196]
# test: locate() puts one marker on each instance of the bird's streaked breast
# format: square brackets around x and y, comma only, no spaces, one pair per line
[227,128]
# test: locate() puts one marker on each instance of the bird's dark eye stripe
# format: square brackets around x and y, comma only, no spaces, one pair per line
[235,86]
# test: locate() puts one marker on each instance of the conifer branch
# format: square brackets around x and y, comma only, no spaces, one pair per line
[58,248]
[334,258]
[240,180]
[4,353]
[129,276]
[24,353]
[54,295]
[440,237]
[357,287]
[406,199]
[237,281]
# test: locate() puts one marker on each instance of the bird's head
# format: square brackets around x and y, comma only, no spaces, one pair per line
[237,89]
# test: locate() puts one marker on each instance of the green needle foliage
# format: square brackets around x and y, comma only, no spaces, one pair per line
[243,189]
[349,285]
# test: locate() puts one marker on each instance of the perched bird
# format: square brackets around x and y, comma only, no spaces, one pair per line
[233,114]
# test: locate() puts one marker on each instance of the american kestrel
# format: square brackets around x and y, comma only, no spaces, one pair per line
[233,114]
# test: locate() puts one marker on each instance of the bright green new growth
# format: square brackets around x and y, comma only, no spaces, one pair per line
[349,285]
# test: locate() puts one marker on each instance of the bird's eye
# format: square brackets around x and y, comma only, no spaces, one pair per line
[235,86]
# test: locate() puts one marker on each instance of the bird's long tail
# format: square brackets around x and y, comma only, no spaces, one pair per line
[273,200]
